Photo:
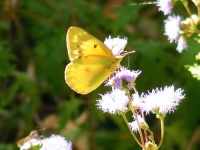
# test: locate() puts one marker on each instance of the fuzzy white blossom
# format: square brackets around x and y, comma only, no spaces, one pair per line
[172,28]
[182,44]
[123,77]
[165,6]
[116,45]
[134,125]
[137,101]
[31,143]
[56,142]
[113,102]
[162,101]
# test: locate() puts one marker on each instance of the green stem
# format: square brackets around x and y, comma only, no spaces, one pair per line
[126,121]
[185,4]
[145,132]
[136,118]
[162,131]
[198,9]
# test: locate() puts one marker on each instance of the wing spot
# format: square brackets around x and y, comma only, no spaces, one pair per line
[95,45]
[87,70]
[78,46]
[108,66]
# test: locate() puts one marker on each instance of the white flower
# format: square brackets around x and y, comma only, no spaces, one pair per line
[162,101]
[172,28]
[137,101]
[30,143]
[195,71]
[182,44]
[134,124]
[113,102]
[116,45]
[188,22]
[123,77]
[196,2]
[165,6]
[56,142]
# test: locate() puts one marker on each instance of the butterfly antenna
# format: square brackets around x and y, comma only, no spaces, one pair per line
[144,3]
[41,129]
[126,53]
[128,61]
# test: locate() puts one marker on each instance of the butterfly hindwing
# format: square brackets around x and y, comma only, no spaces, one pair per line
[86,74]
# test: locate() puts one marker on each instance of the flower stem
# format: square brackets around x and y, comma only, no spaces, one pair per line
[198,9]
[185,4]
[134,88]
[126,121]
[145,132]
[136,118]
[162,131]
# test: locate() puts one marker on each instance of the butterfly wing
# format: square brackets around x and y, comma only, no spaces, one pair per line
[80,44]
[85,74]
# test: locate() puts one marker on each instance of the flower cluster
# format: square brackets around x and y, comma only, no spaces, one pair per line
[116,45]
[176,28]
[113,102]
[142,123]
[54,142]
[174,32]
[123,77]
[165,6]
[159,101]
[172,28]
[31,143]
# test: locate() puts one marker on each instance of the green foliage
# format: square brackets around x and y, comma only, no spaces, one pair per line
[33,57]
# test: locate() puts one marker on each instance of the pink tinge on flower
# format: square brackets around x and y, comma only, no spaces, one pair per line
[172,28]
[115,82]
[123,75]
[162,101]
[134,125]
[56,142]
[165,6]
[182,44]
[113,102]
[116,45]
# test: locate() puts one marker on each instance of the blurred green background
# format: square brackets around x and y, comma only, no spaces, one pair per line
[33,56]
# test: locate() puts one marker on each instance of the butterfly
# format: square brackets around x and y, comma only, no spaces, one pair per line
[91,61]
[32,135]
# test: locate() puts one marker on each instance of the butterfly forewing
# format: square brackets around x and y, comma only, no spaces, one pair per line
[32,135]
[80,44]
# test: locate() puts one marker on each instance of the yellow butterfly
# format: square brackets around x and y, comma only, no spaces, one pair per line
[92,62]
